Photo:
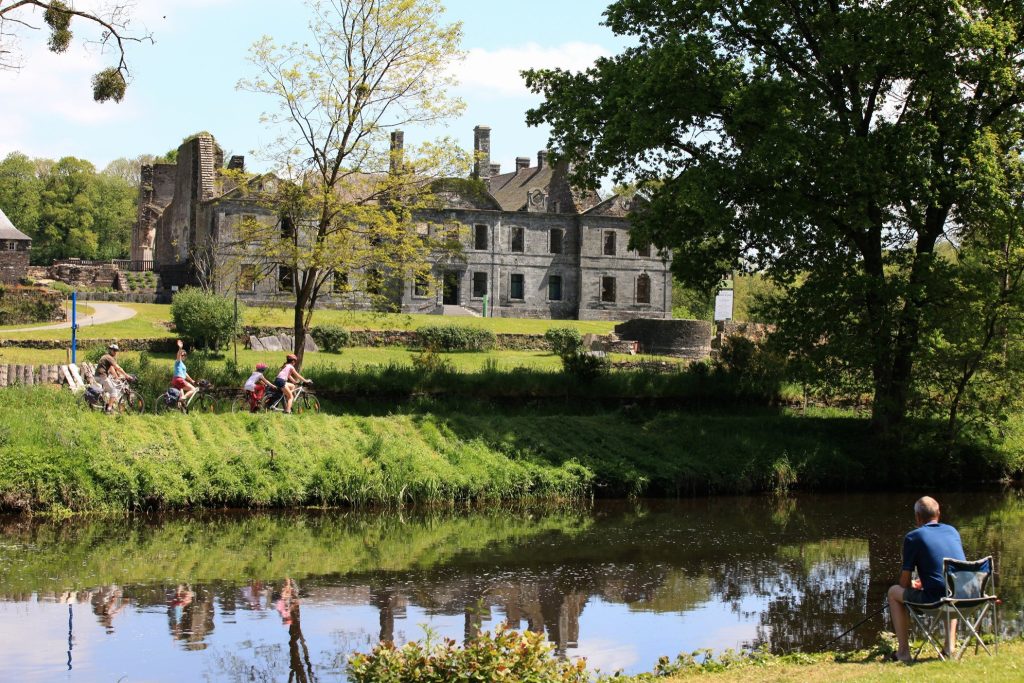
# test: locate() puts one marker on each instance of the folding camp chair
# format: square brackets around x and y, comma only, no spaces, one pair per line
[966,601]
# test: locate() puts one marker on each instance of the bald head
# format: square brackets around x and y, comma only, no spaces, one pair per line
[926,510]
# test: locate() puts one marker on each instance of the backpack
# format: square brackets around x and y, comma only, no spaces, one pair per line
[92,394]
[173,396]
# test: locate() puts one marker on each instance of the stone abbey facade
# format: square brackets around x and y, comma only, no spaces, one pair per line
[533,247]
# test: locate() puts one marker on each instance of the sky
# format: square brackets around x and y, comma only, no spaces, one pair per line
[185,81]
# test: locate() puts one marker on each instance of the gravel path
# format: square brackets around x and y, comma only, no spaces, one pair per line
[103,313]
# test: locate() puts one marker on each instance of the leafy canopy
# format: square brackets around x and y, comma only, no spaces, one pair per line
[831,144]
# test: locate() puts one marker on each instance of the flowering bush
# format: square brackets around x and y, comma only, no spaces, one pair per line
[506,655]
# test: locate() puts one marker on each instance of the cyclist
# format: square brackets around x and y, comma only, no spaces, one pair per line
[288,374]
[107,369]
[255,386]
[182,381]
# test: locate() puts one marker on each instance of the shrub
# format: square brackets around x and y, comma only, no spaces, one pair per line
[585,367]
[330,338]
[455,338]
[204,319]
[505,656]
[564,340]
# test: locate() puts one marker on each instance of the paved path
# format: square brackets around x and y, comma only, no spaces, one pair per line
[104,313]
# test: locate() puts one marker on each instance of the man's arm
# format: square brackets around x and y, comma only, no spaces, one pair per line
[904,579]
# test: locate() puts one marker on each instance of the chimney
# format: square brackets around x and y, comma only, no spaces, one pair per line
[397,151]
[495,169]
[521,163]
[236,163]
[542,158]
[482,152]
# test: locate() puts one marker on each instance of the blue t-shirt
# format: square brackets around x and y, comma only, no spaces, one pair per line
[924,548]
[179,369]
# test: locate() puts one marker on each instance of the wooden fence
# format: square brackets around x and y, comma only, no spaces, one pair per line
[12,374]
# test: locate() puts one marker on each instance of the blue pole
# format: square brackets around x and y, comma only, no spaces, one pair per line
[74,327]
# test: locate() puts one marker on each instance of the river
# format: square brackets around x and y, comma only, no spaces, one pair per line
[266,596]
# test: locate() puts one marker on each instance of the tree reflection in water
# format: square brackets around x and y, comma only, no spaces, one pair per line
[800,570]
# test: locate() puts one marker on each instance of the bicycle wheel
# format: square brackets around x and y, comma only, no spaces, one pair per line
[160,406]
[202,404]
[306,404]
[130,402]
[240,405]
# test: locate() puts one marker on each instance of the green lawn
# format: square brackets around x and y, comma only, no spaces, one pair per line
[273,317]
[466,362]
[148,323]
[1008,665]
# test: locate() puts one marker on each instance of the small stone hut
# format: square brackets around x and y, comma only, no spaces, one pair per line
[14,250]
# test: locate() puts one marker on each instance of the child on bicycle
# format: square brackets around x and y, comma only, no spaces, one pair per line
[255,386]
[288,374]
[182,381]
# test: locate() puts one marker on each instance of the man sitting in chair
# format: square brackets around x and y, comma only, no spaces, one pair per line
[923,550]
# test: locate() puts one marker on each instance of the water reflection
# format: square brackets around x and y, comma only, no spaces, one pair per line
[290,595]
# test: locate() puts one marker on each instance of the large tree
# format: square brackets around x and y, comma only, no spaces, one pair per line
[370,68]
[112,23]
[832,144]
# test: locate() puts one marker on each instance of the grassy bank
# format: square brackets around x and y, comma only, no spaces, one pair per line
[524,656]
[55,454]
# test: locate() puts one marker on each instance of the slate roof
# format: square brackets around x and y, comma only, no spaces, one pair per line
[8,231]
[511,190]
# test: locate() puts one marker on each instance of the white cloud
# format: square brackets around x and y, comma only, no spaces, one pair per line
[497,72]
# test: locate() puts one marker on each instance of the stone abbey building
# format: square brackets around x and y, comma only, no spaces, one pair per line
[533,247]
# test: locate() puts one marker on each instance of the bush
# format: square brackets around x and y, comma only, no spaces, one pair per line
[204,319]
[454,338]
[564,340]
[330,338]
[507,655]
[585,367]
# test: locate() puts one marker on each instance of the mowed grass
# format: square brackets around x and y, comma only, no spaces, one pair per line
[149,323]
[84,310]
[1008,665]
[357,320]
[348,359]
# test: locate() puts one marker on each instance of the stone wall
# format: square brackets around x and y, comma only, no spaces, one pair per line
[83,275]
[30,305]
[165,345]
[410,338]
[755,332]
[681,338]
[13,264]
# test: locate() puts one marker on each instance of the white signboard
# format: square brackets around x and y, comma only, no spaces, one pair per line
[723,305]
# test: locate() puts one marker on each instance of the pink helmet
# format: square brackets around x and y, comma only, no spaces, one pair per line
[260,367]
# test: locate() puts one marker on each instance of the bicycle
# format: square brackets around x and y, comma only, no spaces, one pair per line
[129,400]
[201,400]
[273,401]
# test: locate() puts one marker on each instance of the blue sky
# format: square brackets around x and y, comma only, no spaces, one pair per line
[185,82]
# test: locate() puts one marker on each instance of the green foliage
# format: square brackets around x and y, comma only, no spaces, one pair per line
[564,340]
[585,366]
[505,655]
[754,370]
[67,208]
[330,338]
[781,155]
[205,319]
[19,306]
[109,84]
[456,338]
